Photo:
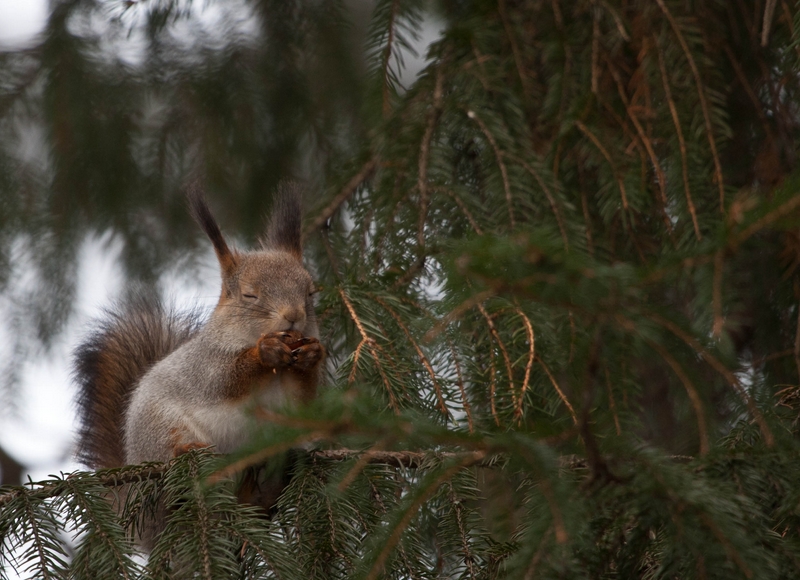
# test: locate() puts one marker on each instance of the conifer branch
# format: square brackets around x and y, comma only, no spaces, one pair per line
[726,544]
[593,138]
[424,158]
[549,196]
[648,145]
[462,207]
[771,217]
[503,171]
[716,294]
[703,104]
[500,344]
[611,401]
[387,55]
[518,60]
[796,349]
[371,345]
[561,394]
[411,510]
[681,142]
[691,390]
[769,12]
[349,188]
[748,88]
[424,359]
[528,365]
[717,365]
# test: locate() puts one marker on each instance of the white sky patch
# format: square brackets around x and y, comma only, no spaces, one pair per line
[41,434]
[21,22]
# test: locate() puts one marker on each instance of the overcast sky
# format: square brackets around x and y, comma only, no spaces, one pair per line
[20,22]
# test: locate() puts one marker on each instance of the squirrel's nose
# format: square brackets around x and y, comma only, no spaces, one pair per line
[293,315]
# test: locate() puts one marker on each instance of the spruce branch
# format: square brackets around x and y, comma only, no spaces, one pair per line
[681,141]
[558,390]
[528,365]
[462,206]
[712,143]
[373,347]
[424,359]
[346,192]
[661,180]
[597,143]
[529,168]
[718,366]
[691,391]
[498,153]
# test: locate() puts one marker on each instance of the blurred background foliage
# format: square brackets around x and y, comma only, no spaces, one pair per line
[570,243]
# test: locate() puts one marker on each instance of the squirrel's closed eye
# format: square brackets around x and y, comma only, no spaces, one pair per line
[250,296]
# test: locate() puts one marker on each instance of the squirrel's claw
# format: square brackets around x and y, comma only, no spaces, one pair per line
[308,355]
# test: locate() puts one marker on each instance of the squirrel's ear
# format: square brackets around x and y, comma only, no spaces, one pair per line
[201,213]
[284,231]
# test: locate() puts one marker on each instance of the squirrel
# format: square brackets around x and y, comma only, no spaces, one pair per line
[154,384]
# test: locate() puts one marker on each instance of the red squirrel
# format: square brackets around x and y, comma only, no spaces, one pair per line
[155,384]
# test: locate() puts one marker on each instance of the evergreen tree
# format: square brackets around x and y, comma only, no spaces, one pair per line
[559,280]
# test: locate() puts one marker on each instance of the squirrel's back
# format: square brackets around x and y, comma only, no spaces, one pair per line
[128,340]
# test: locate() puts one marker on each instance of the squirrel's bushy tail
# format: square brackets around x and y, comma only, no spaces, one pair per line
[128,340]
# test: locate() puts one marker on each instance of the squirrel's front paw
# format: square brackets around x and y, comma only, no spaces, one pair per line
[274,350]
[307,353]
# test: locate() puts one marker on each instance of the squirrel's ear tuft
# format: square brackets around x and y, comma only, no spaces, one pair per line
[284,232]
[202,215]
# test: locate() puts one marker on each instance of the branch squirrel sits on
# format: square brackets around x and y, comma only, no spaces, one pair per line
[154,384]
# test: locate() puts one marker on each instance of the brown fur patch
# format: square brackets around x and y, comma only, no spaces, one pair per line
[285,226]
[125,344]
[201,213]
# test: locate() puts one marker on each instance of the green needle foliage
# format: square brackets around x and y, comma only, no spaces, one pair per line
[559,272]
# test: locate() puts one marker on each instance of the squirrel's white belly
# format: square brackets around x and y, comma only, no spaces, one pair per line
[227,425]
[224,425]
